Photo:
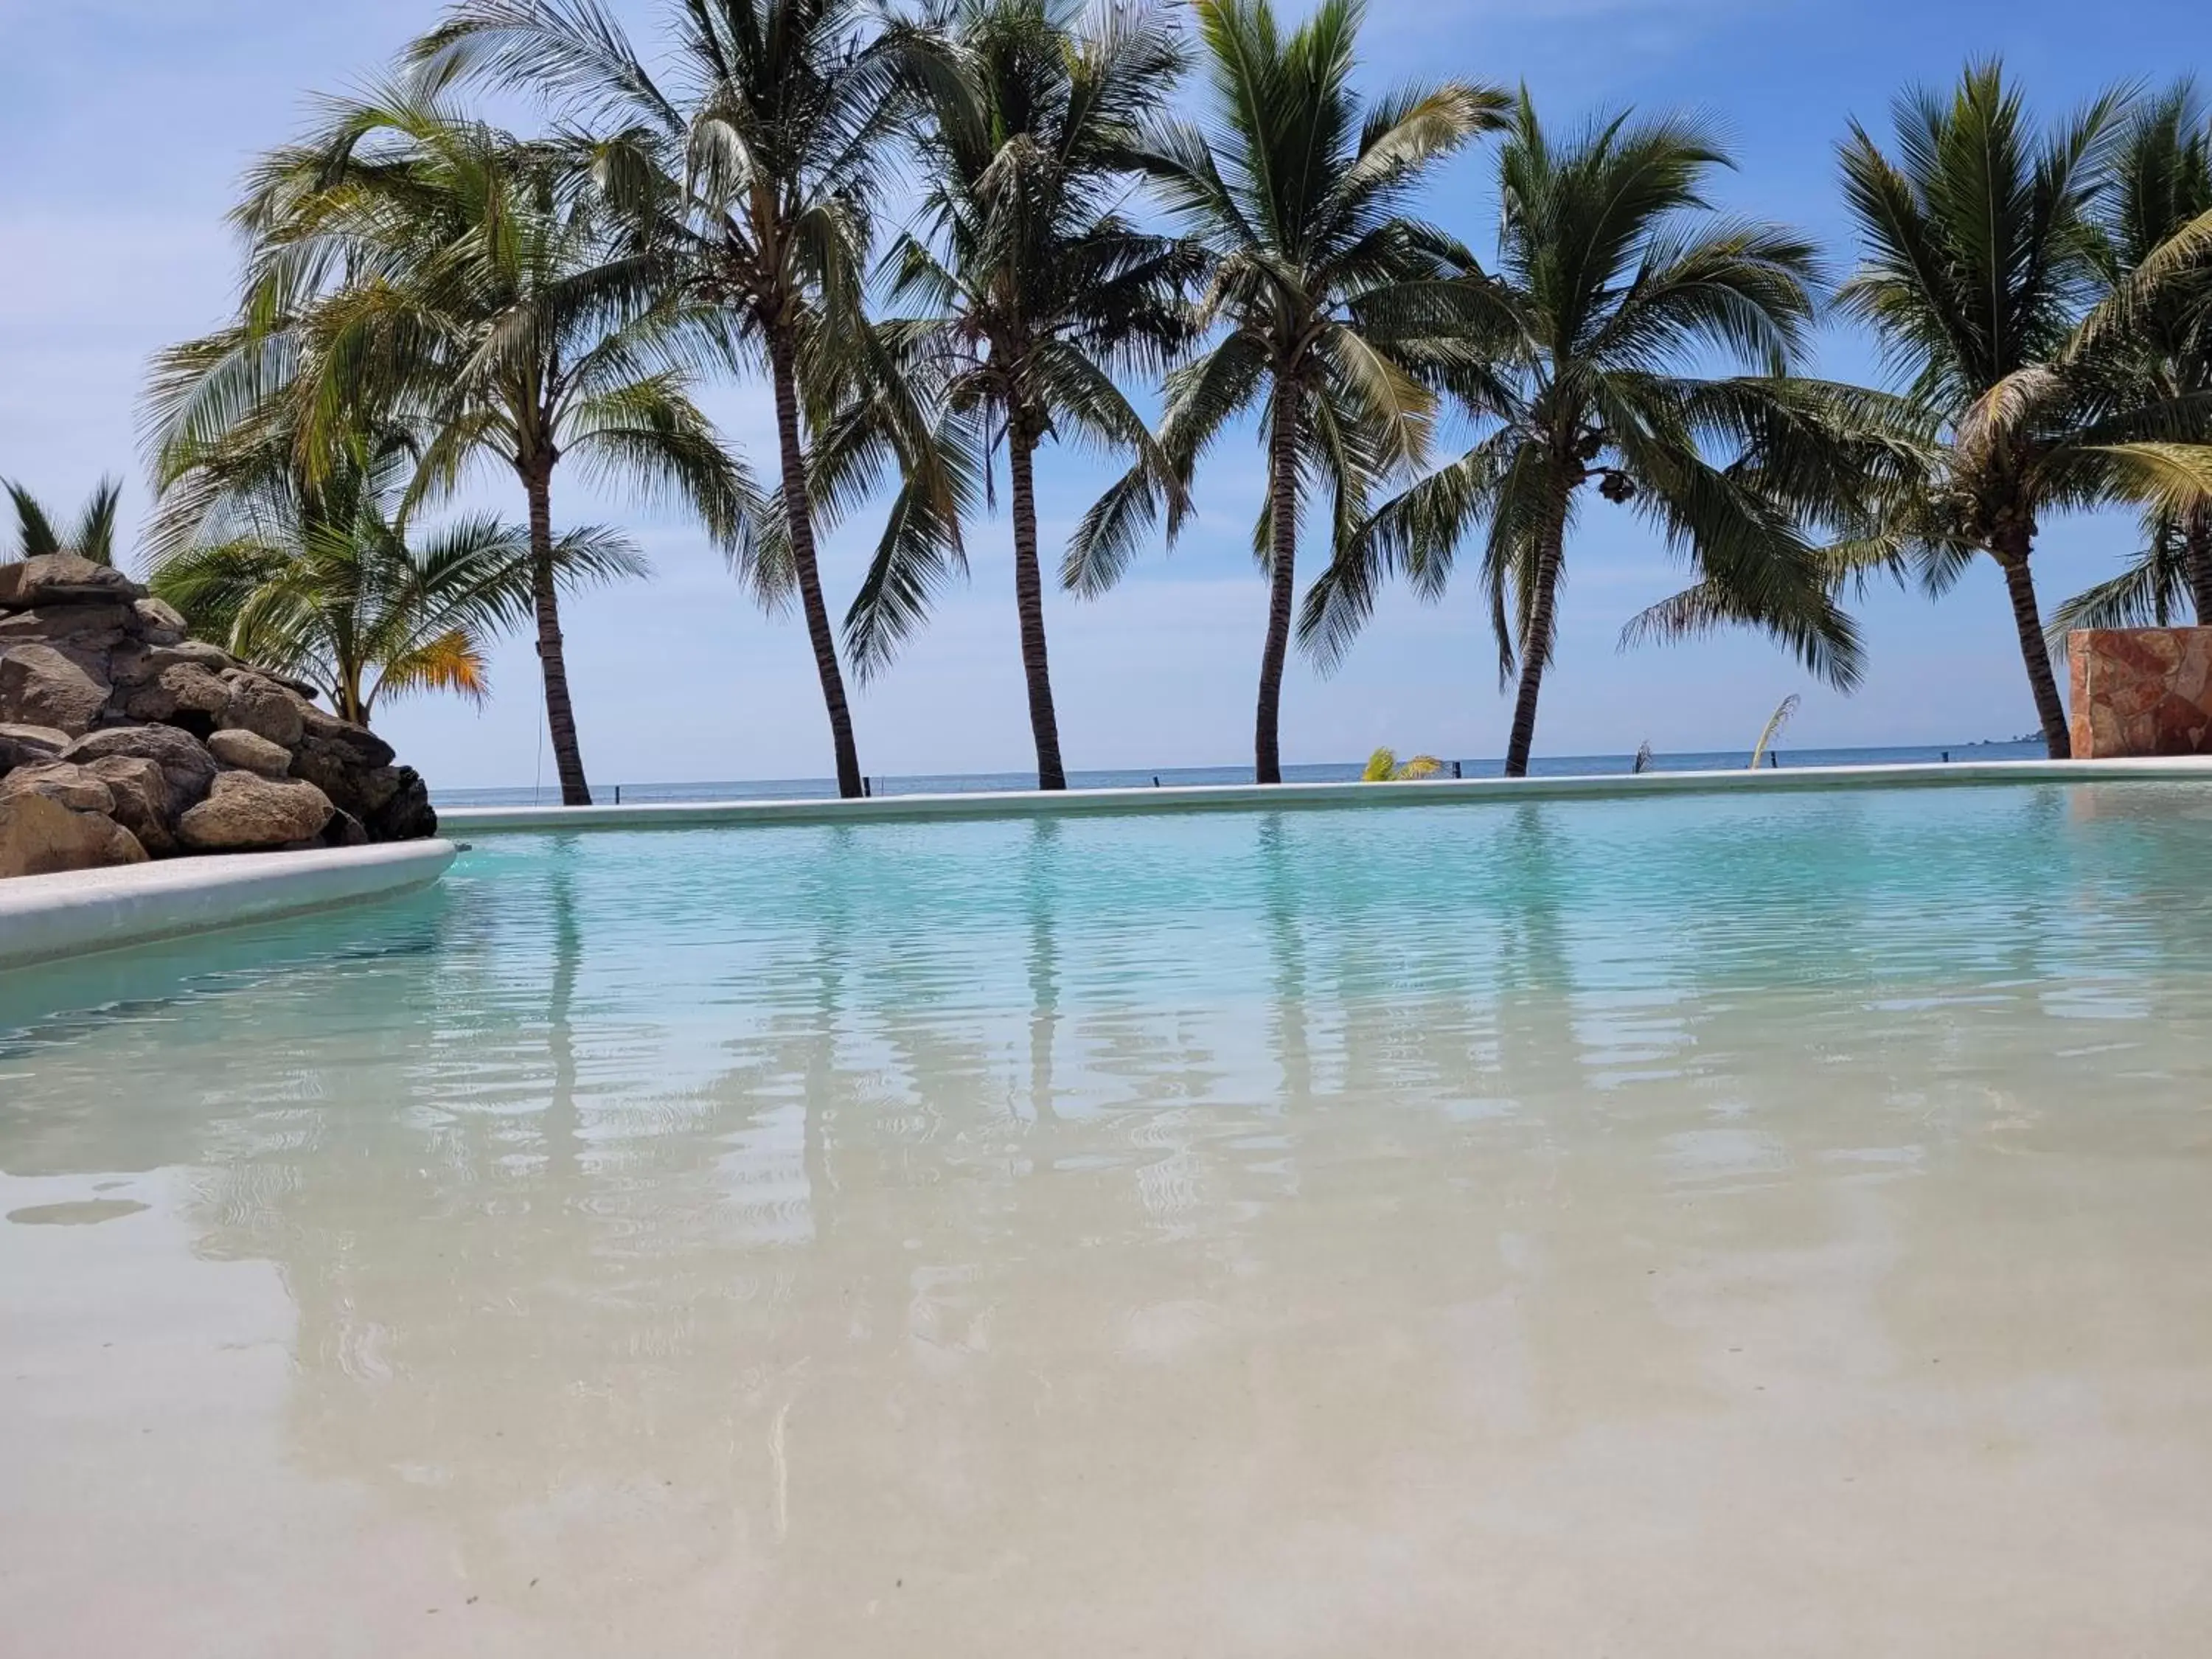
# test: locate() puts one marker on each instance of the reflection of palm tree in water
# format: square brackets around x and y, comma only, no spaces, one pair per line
[502,1340]
[563,1129]
[1285,905]
[1042,883]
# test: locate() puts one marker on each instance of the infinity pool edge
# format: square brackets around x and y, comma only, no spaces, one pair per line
[48,918]
[1246,797]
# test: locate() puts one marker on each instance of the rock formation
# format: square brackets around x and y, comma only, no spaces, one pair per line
[122,740]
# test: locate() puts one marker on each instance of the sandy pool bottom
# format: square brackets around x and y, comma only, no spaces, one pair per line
[1865,1369]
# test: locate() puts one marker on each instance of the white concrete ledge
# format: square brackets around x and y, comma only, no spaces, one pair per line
[1245,797]
[45,917]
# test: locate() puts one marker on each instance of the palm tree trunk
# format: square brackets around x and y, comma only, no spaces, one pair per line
[1536,647]
[1282,586]
[1029,599]
[2196,560]
[552,663]
[2027,618]
[798,511]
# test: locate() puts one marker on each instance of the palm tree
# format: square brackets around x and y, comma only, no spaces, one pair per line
[323,578]
[759,148]
[411,265]
[1313,273]
[1981,253]
[2162,185]
[1616,280]
[1032,288]
[92,538]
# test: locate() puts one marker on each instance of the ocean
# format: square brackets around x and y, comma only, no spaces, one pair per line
[1169,777]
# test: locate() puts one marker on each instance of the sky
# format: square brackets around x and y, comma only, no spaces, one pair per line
[125,125]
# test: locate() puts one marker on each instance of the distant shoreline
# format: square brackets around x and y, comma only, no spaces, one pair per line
[936,783]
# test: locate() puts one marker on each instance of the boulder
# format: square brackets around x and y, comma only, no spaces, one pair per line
[354,767]
[303,690]
[371,750]
[141,659]
[244,812]
[187,768]
[260,705]
[21,745]
[88,626]
[340,771]
[250,752]
[158,622]
[184,694]
[198,653]
[128,668]
[42,686]
[63,579]
[39,835]
[72,786]
[110,714]
[406,814]
[142,801]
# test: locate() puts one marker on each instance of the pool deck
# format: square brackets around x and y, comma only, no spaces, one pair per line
[44,918]
[1245,797]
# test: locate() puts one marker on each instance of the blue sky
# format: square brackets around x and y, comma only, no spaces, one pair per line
[124,125]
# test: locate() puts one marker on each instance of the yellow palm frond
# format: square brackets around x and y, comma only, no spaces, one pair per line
[452,661]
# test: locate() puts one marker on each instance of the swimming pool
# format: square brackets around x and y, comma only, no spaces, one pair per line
[1692,1225]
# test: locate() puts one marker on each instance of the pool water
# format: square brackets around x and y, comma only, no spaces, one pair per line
[1679,1226]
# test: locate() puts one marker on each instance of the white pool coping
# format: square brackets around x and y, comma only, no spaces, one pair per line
[1247,797]
[44,918]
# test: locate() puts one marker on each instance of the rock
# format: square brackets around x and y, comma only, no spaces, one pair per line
[142,799]
[128,668]
[23,746]
[333,768]
[63,579]
[250,752]
[184,694]
[108,711]
[72,786]
[354,768]
[188,769]
[158,622]
[42,686]
[51,739]
[88,626]
[407,815]
[244,812]
[300,689]
[39,835]
[196,653]
[260,705]
[369,749]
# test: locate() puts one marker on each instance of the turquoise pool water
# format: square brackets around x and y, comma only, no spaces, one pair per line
[1229,1232]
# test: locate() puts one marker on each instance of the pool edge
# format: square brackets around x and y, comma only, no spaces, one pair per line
[1245,797]
[51,918]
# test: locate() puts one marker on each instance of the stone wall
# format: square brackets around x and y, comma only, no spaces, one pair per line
[122,740]
[2138,691]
